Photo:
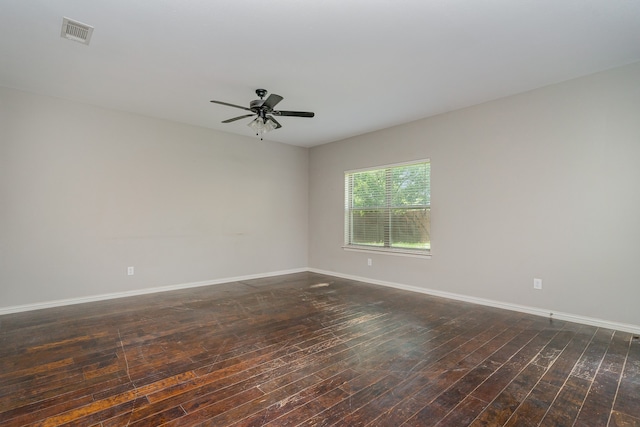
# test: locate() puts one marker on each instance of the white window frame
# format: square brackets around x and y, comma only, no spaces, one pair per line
[348,228]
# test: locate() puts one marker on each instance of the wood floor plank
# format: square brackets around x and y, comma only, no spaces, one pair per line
[297,400]
[627,397]
[567,403]
[534,407]
[429,386]
[460,362]
[559,372]
[619,419]
[597,406]
[338,412]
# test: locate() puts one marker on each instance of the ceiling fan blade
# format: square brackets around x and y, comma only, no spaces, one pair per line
[237,118]
[293,113]
[230,105]
[278,125]
[272,100]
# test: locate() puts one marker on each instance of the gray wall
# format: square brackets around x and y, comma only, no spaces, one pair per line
[543,184]
[86,192]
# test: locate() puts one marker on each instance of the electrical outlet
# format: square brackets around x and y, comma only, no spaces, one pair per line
[369,262]
[537,283]
[129,271]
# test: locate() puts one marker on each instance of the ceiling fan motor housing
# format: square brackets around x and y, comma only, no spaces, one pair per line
[256,104]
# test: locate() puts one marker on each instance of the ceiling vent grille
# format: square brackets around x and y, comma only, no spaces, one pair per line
[76,31]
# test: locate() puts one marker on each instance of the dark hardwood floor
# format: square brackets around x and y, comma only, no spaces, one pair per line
[310,350]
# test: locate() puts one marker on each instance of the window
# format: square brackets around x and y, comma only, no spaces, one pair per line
[389,208]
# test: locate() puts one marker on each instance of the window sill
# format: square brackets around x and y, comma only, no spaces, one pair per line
[387,251]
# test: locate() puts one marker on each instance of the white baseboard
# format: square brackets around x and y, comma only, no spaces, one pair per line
[634,329]
[135,292]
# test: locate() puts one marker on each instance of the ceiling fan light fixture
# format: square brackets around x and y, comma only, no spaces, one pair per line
[269,125]
[262,126]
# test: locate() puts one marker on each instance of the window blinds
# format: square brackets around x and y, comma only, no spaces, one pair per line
[388,208]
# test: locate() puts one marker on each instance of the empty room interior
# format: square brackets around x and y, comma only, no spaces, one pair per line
[357,213]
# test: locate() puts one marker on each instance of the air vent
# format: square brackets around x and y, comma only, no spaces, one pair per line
[76,31]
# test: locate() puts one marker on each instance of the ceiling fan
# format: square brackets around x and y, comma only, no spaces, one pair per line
[264,112]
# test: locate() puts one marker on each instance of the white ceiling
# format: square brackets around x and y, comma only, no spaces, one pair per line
[360,65]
